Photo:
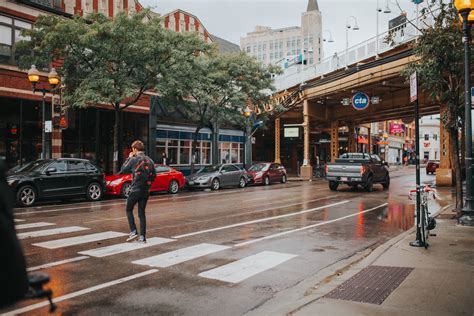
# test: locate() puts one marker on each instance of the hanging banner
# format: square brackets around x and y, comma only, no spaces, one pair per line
[413,87]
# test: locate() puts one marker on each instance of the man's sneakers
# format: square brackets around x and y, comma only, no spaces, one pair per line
[142,239]
[132,236]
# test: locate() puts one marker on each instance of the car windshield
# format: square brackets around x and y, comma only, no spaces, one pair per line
[31,166]
[207,169]
[259,167]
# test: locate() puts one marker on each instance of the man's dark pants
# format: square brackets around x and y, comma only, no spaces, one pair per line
[140,197]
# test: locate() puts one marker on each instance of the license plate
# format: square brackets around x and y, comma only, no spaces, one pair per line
[191,182]
[343,179]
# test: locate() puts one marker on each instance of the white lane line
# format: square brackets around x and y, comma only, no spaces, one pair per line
[81,292]
[124,247]
[17,220]
[50,232]
[308,227]
[57,263]
[33,225]
[181,255]
[260,220]
[245,268]
[72,241]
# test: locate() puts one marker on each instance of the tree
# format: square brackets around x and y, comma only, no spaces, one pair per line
[109,61]
[440,70]
[217,88]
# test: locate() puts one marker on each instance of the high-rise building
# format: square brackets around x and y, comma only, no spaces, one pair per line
[274,45]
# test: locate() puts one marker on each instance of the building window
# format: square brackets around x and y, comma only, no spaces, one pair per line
[231,152]
[435,137]
[271,46]
[179,152]
[10,30]
[248,49]
[288,44]
[264,47]
[427,137]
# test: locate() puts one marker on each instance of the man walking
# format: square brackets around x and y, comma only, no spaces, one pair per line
[143,171]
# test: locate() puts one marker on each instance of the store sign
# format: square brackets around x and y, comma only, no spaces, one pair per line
[426,145]
[360,101]
[413,87]
[291,132]
[396,128]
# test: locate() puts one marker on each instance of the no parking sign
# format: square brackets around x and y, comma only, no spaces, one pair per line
[360,101]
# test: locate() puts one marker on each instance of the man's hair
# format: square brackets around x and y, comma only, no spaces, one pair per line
[138,145]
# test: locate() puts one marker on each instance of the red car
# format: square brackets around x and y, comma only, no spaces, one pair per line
[431,167]
[167,179]
[266,173]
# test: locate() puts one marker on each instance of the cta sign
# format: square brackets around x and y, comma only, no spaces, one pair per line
[360,101]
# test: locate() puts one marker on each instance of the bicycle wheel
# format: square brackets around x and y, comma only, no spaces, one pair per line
[423,226]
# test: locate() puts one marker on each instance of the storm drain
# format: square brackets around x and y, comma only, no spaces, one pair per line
[371,285]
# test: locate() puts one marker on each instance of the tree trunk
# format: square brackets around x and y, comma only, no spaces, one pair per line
[116,135]
[455,158]
[194,147]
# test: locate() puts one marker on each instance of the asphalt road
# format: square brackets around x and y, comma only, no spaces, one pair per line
[208,253]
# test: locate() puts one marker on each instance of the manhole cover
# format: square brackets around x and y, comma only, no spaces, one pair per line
[371,285]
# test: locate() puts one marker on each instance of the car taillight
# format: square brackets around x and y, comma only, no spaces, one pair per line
[362,169]
[327,168]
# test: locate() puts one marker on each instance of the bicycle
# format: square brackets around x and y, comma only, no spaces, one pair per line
[426,222]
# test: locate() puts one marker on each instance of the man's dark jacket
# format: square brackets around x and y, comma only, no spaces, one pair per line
[139,180]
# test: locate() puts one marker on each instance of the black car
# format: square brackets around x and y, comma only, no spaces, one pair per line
[62,179]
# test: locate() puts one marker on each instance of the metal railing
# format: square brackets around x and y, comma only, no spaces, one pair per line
[399,35]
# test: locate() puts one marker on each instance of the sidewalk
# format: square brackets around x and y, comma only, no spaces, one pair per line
[436,281]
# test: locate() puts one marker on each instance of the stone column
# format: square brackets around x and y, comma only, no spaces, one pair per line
[369,141]
[334,141]
[306,168]
[444,174]
[277,140]
[351,141]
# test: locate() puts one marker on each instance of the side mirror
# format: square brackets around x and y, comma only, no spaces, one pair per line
[51,170]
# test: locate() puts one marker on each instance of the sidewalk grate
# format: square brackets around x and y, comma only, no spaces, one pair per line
[371,285]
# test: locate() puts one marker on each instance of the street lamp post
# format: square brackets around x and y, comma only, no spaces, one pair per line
[248,144]
[386,10]
[53,79]
[465,8]
[354,27]
[328,39]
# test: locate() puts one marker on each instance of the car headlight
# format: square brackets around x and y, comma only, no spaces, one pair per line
[115,182]
[203,178]
[259,174]
[11,181]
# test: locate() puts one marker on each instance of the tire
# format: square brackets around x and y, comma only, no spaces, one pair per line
[266,180]
[284,179]
[173,187]
[242,182]
[26,196]
[126,189]
[386,183]
[423,228]
[333,185]
[94,192]
[215,184]
[369,185]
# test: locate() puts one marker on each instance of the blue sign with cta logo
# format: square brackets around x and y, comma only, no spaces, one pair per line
[360,101]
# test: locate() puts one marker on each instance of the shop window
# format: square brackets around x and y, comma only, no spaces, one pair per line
[10,30]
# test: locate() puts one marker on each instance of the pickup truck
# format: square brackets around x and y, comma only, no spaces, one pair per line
[356,169]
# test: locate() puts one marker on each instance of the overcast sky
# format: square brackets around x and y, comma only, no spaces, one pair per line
[232,19]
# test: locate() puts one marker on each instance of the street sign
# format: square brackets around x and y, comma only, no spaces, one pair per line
[413,88]
[360,101]
[417,1]
[346,101]
[48,126]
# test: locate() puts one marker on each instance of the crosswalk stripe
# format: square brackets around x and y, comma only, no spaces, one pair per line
[50,232]
[181,255]
[17,220]
[240,270]
[81,292]
[72,241]
[120,248]
[33,225]
[57,263]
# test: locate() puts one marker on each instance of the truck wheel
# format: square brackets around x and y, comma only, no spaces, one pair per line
[386,183]
[333,185]
[369,185]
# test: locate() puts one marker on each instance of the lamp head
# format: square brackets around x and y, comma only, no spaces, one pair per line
[463,5]
[387,10]
[356,27]
[247,112]
[33,74]
[53,78]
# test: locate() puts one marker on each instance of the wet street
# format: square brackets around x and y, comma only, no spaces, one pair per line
[208,253]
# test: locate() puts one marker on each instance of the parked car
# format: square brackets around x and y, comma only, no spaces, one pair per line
[431,167]
[167,179]
[356,169]
[62,178]
[217,176]
[266,173]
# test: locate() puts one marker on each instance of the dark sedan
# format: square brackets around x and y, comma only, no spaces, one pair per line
[218,176]
[61,179]
[431,167]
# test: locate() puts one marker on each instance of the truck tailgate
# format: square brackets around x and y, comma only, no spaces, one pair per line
[344,170]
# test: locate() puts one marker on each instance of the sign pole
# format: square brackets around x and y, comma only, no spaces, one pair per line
[414,97]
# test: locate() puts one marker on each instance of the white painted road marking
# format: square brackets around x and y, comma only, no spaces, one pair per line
[57,263]
[260,220]
[120,248]
[81,292]
[50,232]
[181,255]
[72,241]
[33,225]
[17,220]
[240,270]
[308,227]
